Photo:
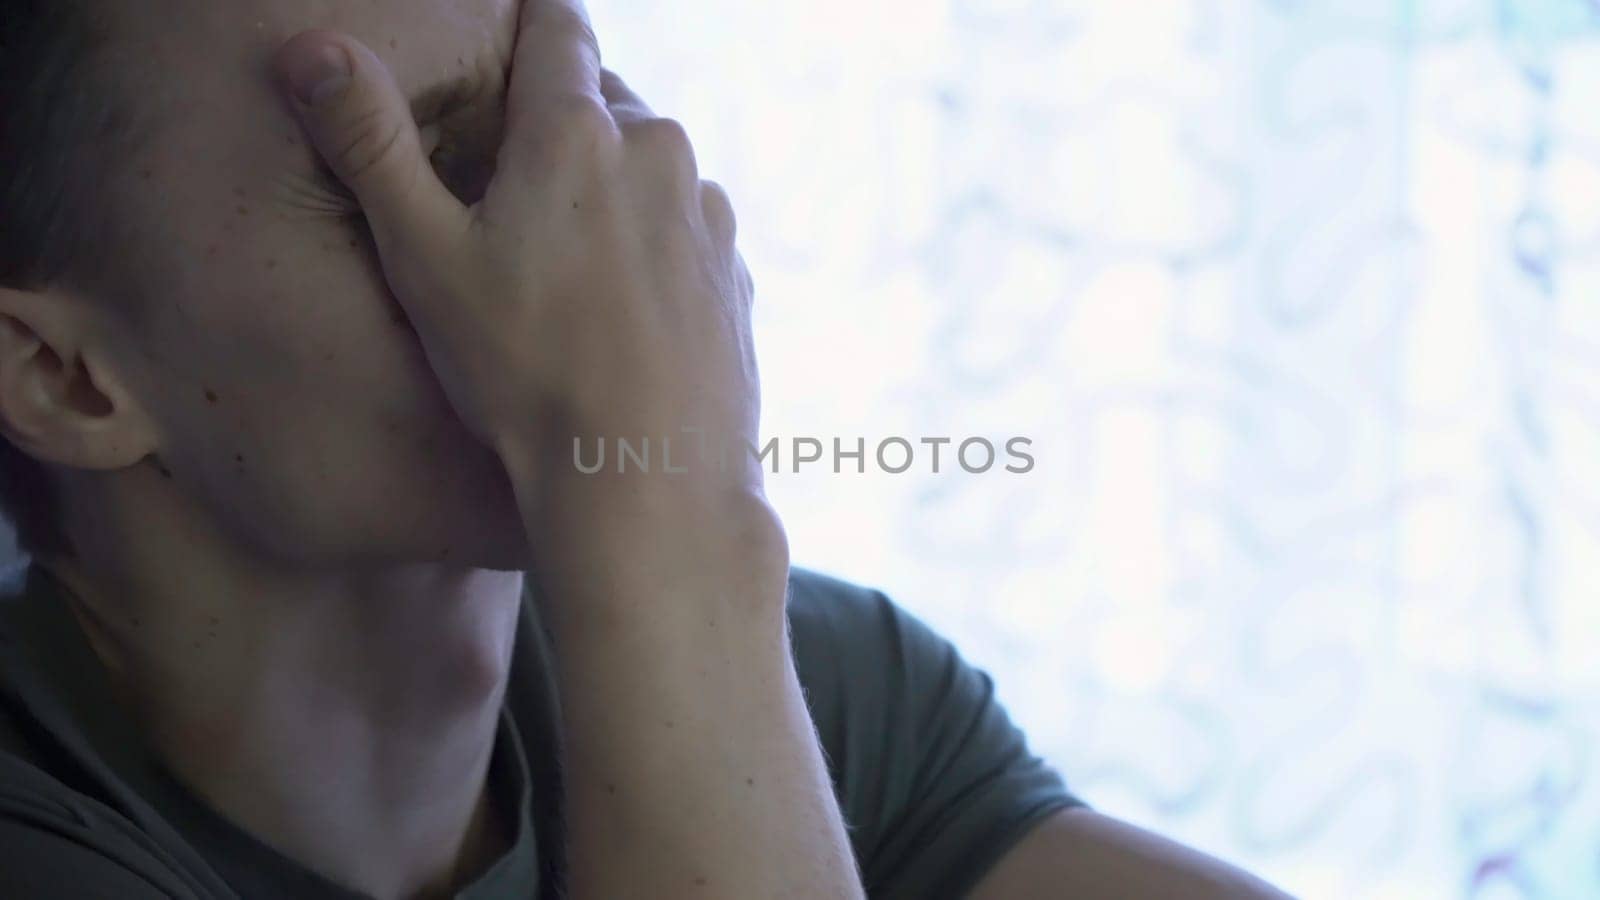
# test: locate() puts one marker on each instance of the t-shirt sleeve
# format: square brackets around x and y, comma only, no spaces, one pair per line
[935,781]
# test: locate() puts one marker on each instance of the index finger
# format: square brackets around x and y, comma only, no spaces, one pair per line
[556,66]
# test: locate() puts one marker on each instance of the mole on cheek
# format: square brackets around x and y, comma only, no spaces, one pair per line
[211,396]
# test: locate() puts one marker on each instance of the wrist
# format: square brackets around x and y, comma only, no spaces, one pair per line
[605,592]
[610,549]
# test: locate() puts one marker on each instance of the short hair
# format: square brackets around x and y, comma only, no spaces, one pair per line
[60,128]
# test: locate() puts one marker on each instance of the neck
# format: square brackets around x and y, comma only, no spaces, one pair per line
[345,718]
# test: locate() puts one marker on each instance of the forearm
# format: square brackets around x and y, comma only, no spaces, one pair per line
[692,767]
[595,289]
[1081,853]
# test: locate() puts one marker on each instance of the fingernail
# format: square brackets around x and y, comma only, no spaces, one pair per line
[317,78]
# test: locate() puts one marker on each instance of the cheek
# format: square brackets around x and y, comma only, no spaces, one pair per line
[277,338]
[301,417]
[284,304]
[329,475]
[248,282]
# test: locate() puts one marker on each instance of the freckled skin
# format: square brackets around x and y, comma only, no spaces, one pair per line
[354,455]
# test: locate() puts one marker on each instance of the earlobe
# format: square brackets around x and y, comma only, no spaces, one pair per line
[61,401]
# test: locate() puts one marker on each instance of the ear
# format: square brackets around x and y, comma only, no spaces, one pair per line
[61,397]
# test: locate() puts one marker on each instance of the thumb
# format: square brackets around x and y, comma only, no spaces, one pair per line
[359,121]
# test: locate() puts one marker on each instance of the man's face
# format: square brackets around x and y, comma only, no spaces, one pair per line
[293,398]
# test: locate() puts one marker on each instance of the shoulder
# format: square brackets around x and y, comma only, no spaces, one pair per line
[843,631]
[936,781]
[66,817]
[52,835]
[813,592]
[822,605]
[859,657]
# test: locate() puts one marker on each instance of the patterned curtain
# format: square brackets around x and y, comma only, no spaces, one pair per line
[1298,306]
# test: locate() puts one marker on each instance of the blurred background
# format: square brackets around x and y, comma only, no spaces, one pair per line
[1299,303]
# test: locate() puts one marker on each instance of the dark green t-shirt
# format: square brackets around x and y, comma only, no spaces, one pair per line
[934,780]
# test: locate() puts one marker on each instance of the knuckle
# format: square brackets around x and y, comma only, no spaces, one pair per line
[610,82]
[573,25]
[370,141]
[718,209]
[583,123]
[665,139]
[716,195]
[747,279]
